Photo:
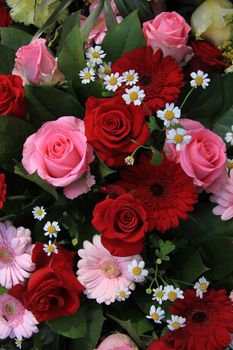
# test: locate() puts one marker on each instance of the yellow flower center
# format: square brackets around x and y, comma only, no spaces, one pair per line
[137,271]
[95,54]
[203,287]
[51,229]
[39,212]
[107,70]
[10,308]
[133,96]
[169,115]
[199,80]
[155,316]
[112,81]
[176,325]
[110,269]
[87,75]
[178,138]
[50,249]
[130,77]
[160,294]
[229,165]
[122,294]
[172,296]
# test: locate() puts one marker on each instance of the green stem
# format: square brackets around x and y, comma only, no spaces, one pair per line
[189,284]
[186,97]
[6,217]
[16,198]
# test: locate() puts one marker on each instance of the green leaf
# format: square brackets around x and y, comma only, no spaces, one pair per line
[152,124]
[127,6]
[123,37]
[13,133]
[71,57]
[104,170]
[187,265]
[3,290]
[83,91]
[7,59]
[69,23]
[19,170]
[109,15]
[165,248]
[157,157]
[48,103]
[91,20]
[14,37]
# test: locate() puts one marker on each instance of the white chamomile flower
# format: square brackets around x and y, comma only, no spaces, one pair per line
[122,294]
[95,55]
[169,115]
[18,343]
[229,137]
[39,213]
[178,137]
[173,293]
[105,69]
[176,322]
[51,229]
[87,75]
[201,287]
[129,160]
[50,248]
[156,314]
[159,295]
[229,164]
[136,269]
[134,95]
[112,81]
[199,79]
[130,77]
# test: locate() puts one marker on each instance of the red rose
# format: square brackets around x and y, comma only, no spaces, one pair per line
[12,96]
[206,57]
[122,223]
[5,18]
[2,189]
[110,125]
[160,344]
[52,290]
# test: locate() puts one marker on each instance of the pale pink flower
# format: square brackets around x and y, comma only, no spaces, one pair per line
[15,254]
[231,296]
[224,199]
[15,320]
[117,341]
[103,274]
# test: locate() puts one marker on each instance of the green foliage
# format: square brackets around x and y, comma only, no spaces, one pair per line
[109,14]
[157,157]
[91,20]
[165,248]
[152,124]
[125,7]
[123,37]
[2,290]
[14,37]
[7,59]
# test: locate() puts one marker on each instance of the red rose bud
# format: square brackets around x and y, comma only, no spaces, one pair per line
[123,223]
[12,96]
[2,190]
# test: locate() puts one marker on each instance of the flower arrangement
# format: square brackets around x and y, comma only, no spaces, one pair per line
[116,180]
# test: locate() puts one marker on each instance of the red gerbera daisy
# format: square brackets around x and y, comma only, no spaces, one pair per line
[160,77]
[209,321]
[2,189]
[166,192]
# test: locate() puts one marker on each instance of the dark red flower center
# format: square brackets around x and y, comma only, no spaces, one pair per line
[199,317]
[157,190]
[145,79]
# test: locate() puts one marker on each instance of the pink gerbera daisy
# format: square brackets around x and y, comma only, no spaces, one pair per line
[15,320]
[224,199]
[15,254]
[103,274]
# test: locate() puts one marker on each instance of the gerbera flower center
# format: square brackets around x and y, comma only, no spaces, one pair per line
[172,296]
[137,271]
[5,255]
[157,190]
[112,81]
[145,79]
[133,96]
[199,317]
[169,115]
[110,269]
[178,138]
[199,80]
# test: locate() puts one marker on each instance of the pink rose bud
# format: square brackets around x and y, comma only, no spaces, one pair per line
[117,341]
[36,65]
[60,154]
[169,32]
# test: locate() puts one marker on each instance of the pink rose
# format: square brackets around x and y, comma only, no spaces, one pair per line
[169,32]
[117,341]
[60,154]
[36,65]
[204,158]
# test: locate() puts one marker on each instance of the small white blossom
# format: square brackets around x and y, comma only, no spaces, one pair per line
[159,295]
[201,287]
[169,115]
[156,314]
[51,229]
[112,81]
[129,160]
[176,322]
[173,293]
[136,269]
[134,95]
[39,213]
[105,69]
[95,55]
[122,294]
[130,77]
[18,343]
[87,75]
[199,79]
[50,248]
[229,136]
[178,137]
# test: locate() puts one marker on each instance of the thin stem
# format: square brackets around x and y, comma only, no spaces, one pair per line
[6,217]
[15,198]
[189,284]
[186,97]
